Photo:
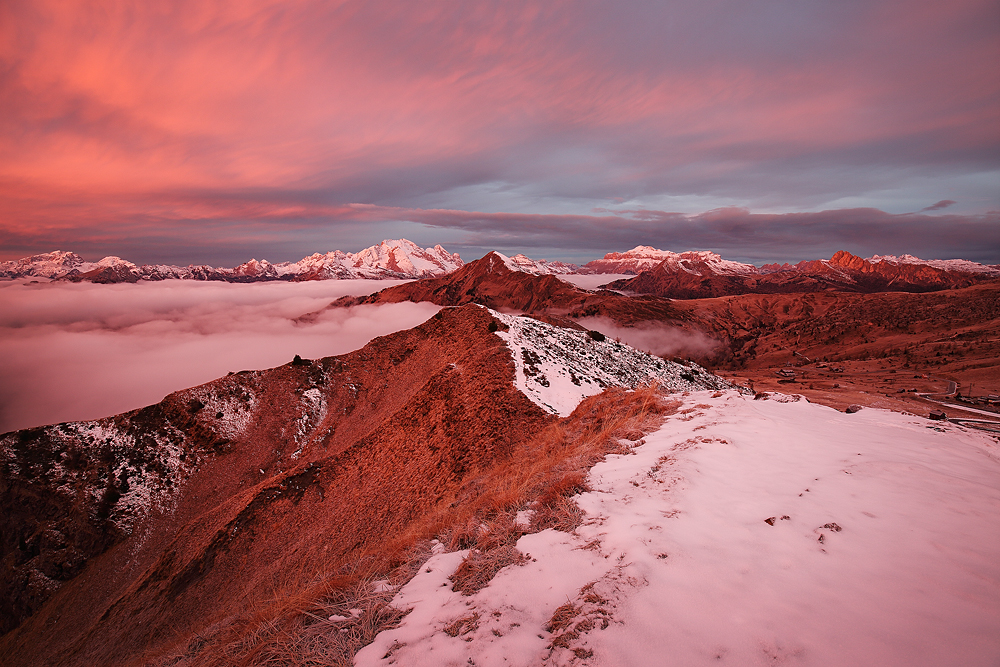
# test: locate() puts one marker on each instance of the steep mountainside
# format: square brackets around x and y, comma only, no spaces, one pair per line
[695,278]
[144,533]
[496,282]
[390,259]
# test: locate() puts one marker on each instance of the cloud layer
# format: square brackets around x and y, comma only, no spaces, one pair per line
[251,128]
[84,351]
[656,338]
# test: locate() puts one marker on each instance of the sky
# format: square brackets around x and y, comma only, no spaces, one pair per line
[211,131]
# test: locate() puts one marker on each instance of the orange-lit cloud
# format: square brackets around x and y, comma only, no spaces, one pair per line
[139,119]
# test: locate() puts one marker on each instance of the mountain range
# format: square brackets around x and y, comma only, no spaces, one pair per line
[391,259]
[686,275]
[697,275]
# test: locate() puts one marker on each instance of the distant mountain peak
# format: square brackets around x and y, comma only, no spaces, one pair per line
[540,267]
[644,258]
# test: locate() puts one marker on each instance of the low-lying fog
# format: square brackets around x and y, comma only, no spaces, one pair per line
[592,281]
[656,338]
[82,351]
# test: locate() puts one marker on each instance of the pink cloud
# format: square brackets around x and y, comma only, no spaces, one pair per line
[141,115]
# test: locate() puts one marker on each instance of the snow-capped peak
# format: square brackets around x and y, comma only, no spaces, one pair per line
[540,267]
[697,261]
[394,257]
[643,258]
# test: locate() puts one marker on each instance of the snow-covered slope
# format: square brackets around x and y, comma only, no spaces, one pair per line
[557,367]
[744,532]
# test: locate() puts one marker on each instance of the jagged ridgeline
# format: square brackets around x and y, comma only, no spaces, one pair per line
[129,537]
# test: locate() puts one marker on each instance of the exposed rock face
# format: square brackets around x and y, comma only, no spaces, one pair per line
[123,535]
[390,259]
[696,279]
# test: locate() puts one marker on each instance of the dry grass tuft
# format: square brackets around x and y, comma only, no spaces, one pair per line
[562,617]
[563,514]
[494,550]
[463,625]
[479,568]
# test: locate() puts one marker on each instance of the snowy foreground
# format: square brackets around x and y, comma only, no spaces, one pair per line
[744,532]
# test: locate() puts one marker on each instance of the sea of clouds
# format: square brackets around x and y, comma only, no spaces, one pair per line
[71,352]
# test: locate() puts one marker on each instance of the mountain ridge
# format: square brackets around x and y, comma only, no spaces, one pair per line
[159,519]
[698,276]
[391,259]
[495,282]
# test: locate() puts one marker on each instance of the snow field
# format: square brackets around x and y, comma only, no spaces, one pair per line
[676,563]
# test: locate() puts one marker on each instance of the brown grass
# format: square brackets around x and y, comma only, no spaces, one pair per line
[290,626]
[463,625]
[298,630]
